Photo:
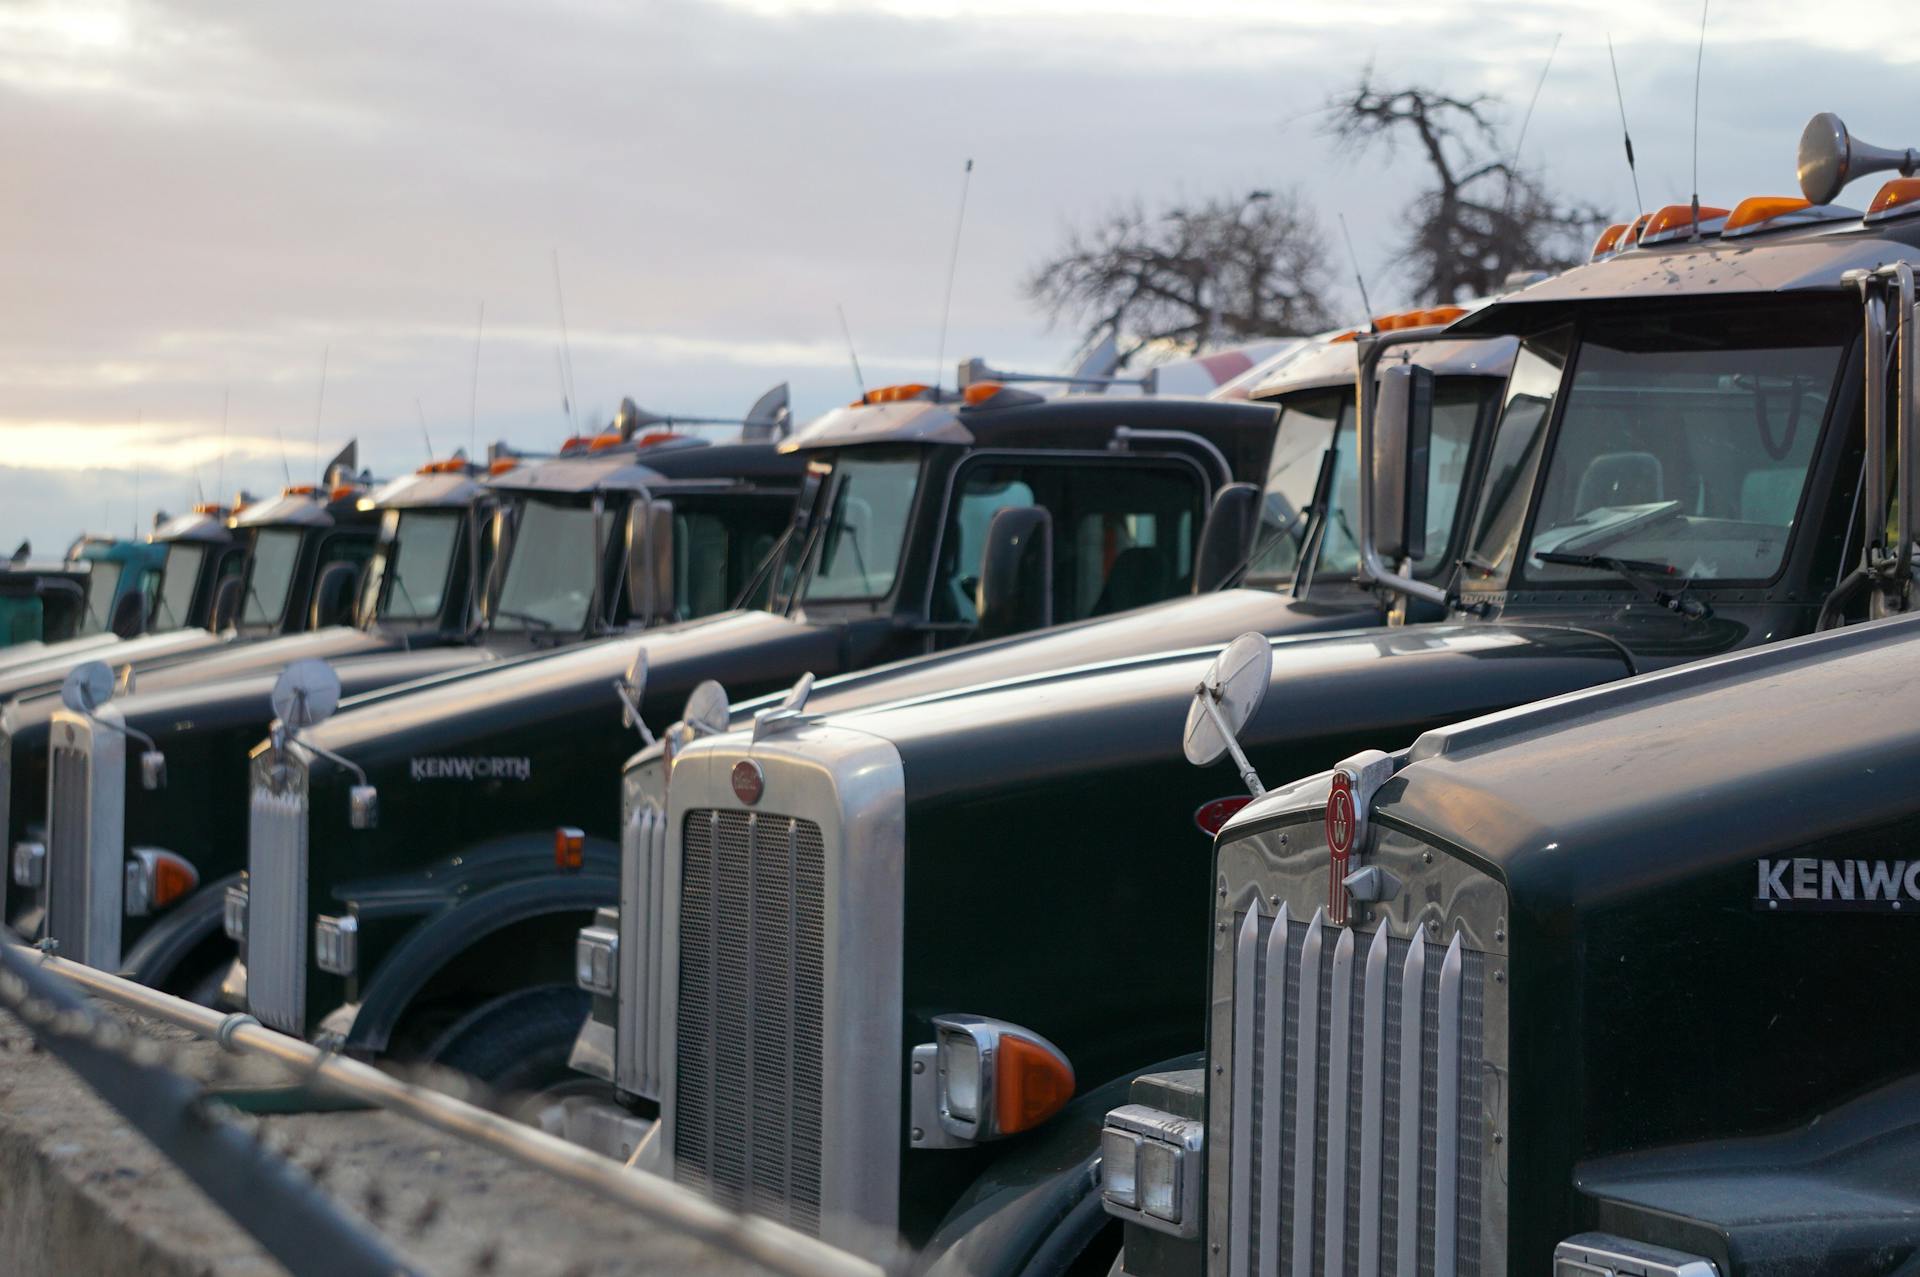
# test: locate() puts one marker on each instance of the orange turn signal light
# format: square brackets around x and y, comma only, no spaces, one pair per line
[501,465]
[891,394]
[981,391]
[173,879]
[299,490]
[452,465]
[1895,198]
[600,443]
[1428,317]
[1608,241]
[1032,1083]
[569,849]
[1676,220]
[1756,209]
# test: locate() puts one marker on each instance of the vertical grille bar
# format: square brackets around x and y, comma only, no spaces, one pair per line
[1339,1048]
[1373,1050]
[1413,983]
[277,906]
[1245,994]
[748,1095]
[1273,1090]
[1306,1057]
[643,851]
[1446,1183]
[68,867]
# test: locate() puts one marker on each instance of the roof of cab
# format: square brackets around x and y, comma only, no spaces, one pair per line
[1330,363]
[426,490]
[1791,260]
[196,525]
[654,467]
[1632,765]
[1067,421]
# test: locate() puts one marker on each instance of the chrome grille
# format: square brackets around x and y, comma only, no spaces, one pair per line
[1351,1127]
[69,884]
[277,895]
[748,1052]
[643,868]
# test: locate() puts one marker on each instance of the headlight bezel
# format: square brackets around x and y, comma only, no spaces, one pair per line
[1161,1184]
[336,944]
[596,961]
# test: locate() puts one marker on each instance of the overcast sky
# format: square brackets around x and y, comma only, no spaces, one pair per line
[202,200]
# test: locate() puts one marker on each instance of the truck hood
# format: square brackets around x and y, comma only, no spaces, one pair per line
[1377,687]
[747,649]
[46,675]
[33,651]
[336,643]
[1194,622]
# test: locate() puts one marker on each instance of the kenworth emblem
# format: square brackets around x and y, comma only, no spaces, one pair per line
[1802,882]
[1340,830]
[748,783]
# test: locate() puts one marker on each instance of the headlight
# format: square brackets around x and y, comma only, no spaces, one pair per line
[596,960]
[993,1078]
[233,912]
[336,944]
[29,863]
[1150,1169]
[156,879]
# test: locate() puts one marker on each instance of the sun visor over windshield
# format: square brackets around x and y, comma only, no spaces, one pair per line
[913,421]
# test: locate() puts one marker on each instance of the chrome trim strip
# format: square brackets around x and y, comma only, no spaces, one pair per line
[95,800]
[1272,1080]
[1446,1150]
[278,927]
[1244,991]
[1373,1050]
[1308,1039]
[1413,984]
[1339,1062]
[643,902]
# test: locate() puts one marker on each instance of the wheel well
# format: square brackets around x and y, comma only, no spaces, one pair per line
[532,951]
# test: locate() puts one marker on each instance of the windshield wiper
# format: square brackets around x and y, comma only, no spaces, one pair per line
[1635,573]
[528,617]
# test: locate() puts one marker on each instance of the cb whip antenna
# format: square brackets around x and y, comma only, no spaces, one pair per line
[853,354]
[473,402]
[1358,278]
[319,406]
[423,426]
[1699,56]
[1626,135]
[953,263]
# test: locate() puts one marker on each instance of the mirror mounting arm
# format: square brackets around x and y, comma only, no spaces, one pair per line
[625,691]
[1208,694]
[1373,571]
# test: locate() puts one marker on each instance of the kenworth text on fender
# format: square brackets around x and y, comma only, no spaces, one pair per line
[1296,574]
[1675,475]
[926,520]
[1555,927]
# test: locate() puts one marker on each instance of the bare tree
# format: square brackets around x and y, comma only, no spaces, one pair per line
[1483,217]
[1191,277]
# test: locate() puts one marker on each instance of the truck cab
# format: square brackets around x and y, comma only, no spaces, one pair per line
[926,520]
[1487,930]
[1676,474]
[546,533]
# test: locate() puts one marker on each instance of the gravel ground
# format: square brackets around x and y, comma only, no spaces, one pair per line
[82,1193]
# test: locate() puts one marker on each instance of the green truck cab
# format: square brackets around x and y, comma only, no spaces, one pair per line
[852,920]
[133,876]
[42,601]
[926,521]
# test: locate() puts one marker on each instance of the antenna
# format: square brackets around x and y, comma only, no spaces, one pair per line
[1699,56]
[423,426]
[953,263]
[853,354]
[1513,164]
[1625,135]
[1357,277]
[320,403]
[566,347]
[220,476]
[139,420]
[473,403]
[286,471]
[566,401]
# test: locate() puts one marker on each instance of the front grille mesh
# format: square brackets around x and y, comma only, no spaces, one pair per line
[747,1098]
[68,907]
[1356,1107]
[277,906]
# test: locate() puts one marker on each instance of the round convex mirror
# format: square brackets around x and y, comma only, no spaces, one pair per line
[1237,683]
[87,687]
[708,711]
[307,692]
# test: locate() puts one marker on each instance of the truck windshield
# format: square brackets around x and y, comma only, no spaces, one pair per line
[550,569]
[419,564]
[1684,449]
[103,582]
[276,551]
[177,579]
[866,527]
[1306,430]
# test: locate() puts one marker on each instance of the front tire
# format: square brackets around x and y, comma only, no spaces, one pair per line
[518,1043]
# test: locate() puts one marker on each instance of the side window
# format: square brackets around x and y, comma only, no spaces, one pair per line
[1123,533]
[1457,404]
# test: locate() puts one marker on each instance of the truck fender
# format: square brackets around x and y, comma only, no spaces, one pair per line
[1036,1209]
[156,956]
[444,936]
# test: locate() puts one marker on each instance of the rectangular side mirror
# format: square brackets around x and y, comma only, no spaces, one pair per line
[1226,538]
[1015,593]
[1402,431]
[650,597]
